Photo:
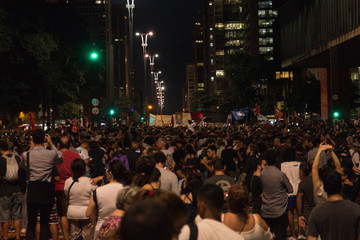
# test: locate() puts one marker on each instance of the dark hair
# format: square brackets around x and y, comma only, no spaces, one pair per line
[332,182]
[146,220]
[155,175]
[179,155]
[4,146]
[78,168]
[289,155]
[118,170]
[159,157]
[38,136]
[238,199]
[144,168]
[271,157]
[212,195]
[190,149]
[171,201]
[219,164]
[212,147]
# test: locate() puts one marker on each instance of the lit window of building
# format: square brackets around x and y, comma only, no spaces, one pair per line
[266,41]
[212,61]
[265,31]
[212,79]
[219,25]
[266,22]
[234,26]
[233,43]
[211,44]
[266,50]
[265,4]
[220,53]
[220,73]
[210,3]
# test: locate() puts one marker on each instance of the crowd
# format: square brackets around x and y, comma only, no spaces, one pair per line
[235,182]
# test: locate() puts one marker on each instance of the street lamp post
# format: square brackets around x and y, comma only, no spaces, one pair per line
[144,44]
[130,6]
[152,63]
[159,90]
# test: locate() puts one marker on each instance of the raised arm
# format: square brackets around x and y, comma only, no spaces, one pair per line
[315,169]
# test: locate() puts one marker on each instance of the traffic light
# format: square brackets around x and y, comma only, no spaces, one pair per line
[112,112]
[336,114]
[94,55]
[142,119]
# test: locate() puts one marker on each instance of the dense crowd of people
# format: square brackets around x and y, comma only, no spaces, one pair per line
[234,182]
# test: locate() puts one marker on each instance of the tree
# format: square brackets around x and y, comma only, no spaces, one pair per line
[245,75]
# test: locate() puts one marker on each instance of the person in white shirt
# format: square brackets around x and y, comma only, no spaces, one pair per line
[103,201]
[210,200]
[78,190]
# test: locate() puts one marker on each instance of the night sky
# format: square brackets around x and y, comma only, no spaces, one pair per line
[172,22]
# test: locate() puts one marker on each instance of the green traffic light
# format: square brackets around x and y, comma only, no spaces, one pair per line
[142,119]
[94,55]
[336,114]
[112,111]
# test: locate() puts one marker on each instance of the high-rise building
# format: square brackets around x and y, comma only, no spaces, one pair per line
[227,26]
[190,85]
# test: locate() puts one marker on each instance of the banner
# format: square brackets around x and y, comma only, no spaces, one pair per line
[152,118]
[278,114]
[32,122]
[256,110]
[240,113]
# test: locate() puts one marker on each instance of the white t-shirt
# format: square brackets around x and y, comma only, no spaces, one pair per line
[106,198]
[80,194]
[209,229]
[83,153]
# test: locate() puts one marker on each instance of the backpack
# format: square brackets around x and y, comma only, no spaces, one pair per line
[118,157]
[12,169]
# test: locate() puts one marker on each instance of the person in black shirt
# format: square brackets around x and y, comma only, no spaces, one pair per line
[256,188]
[231,158]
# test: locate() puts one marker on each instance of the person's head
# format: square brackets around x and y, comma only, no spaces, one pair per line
[125,197]
[332,182]
[155,175]
[147,219]
[193,183]
[159,157]
[4,146]
[117,172]
[211,151]
[173,204]
[64,142]
[238,199]
[219,164]
[290,155]
[160,143]
[85,144]
[271,157]
[144,168]
[38,136]
[315,142]
[251,149]
[210,200]
[260,164]
[277,142]
[78,168]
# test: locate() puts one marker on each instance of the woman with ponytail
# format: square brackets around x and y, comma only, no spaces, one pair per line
[249,226]
[78,189]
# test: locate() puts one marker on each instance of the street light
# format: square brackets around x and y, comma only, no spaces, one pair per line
[144,44]
[152,64]
[130,5]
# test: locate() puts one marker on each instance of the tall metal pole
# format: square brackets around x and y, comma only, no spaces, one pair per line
[153,90]
[130,6]
[109,54]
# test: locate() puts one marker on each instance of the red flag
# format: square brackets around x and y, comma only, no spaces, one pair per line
[256,110]
[32,122]
[278,114]
[172,120]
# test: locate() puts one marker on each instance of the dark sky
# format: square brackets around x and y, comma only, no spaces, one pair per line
[172,22]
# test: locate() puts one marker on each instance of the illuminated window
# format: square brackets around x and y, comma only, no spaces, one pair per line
[234,26]
[267,13]
[211,37]
[98,2]
[266,50]
[265,31]
[266,41]
[200,64]
[265,22]
[197,24]
[212,61]
[199,41]
[233,43]
[220,53]
[200,85]
[212,79]
[210,29]
[210,3]
[219,25]
[220,73]
[211,44]
[265,4]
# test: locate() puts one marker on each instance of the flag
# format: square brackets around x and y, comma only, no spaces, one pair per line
[278,114]
[261,117]
[172,120]
[240,113]
[256,110]
[32,122]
